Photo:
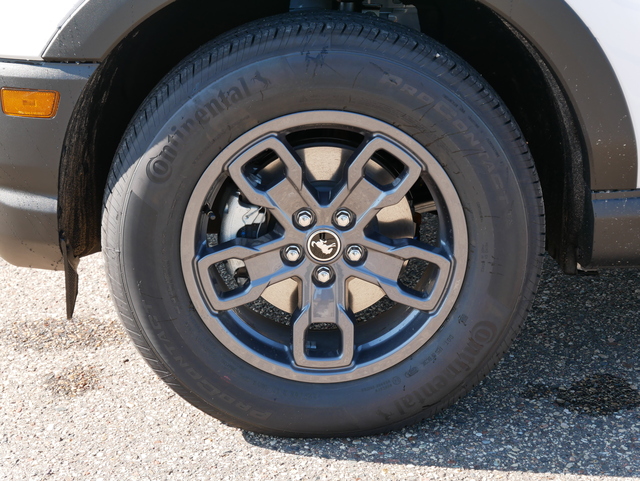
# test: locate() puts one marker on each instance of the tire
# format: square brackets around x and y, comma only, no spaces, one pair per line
[367,173]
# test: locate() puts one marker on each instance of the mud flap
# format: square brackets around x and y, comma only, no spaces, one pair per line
[70,275]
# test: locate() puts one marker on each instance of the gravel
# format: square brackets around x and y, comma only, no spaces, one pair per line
[77,401]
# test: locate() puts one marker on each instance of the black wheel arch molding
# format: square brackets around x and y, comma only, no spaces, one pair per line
[587,77]
[94,29]
[552,27]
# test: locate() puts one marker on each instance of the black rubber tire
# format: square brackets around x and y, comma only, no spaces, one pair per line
[342,62]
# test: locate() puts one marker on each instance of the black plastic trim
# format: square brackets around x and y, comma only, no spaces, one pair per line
[97,26]
[552,27]
[586,75]
[30,151]
[616,229]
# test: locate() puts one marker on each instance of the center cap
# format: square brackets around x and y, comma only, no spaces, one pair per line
[323,245]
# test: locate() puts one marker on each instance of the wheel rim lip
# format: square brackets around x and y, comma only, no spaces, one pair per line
[308,120]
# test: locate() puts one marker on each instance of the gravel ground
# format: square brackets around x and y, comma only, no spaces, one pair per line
[76,400]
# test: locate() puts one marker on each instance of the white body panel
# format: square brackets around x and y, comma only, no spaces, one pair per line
[27,26]
[616,26]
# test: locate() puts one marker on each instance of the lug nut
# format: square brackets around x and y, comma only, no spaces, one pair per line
[355,253]
[343,218]
[323,274]
[304,218]
[292,253]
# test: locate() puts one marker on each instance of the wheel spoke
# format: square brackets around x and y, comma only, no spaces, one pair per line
[287,195]
[323,305]
[385,263]
[363,196]
[263,263]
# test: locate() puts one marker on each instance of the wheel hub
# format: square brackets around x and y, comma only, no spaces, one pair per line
[324,245]
[323,164]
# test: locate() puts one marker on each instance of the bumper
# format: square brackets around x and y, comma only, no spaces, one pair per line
[29,160]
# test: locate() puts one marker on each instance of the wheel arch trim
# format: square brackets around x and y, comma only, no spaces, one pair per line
[552,26]
[96,27]
[590,82]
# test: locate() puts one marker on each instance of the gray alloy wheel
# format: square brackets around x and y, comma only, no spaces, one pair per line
[282,186]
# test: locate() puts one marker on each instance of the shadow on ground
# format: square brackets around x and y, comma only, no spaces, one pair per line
[564,399]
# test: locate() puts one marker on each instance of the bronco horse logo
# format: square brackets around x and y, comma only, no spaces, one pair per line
[327,249]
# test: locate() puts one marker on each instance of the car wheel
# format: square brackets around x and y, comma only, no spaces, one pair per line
[322,225]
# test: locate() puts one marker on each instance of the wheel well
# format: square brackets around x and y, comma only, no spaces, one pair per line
[504,57]
[116,90]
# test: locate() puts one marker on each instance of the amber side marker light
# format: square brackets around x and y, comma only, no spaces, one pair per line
[41,104]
